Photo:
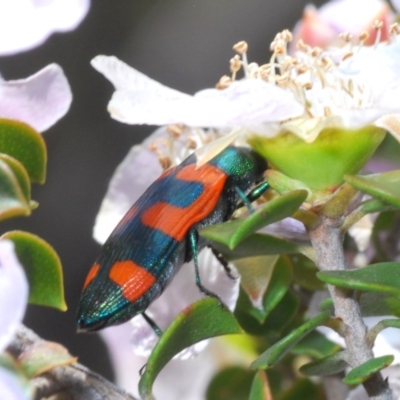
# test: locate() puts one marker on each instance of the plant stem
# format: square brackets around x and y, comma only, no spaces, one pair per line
[327,241]
[75,381]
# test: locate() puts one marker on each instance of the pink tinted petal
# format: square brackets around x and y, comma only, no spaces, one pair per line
[321,27]
[25,24]
[39,100]
[339,15]
[13,293]
[10,388]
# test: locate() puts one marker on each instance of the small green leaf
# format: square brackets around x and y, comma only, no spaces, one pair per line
[315,345]
[42,267]
[260,389]
[380,326]
[20,173]
[364,371]
[231,233]
[279,349]
[277,320]
[276,288]
[257,244]
[329,365]
[43,356]
[22,142]
[305,273]
[202,320]
[255,276]
[384,186]
[13,201]
[383,277]
[232,383]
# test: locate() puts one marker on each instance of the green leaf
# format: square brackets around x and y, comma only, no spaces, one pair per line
[279,349]
[231,233]
[42,267]
[257,244]
[375,304]
[329,365]
[383,277]
[364,371]
[255,276]
[232,383]
[202,320]
[380,326]
[315,345]
[22,142]
[20,173]
[276,321]
[305,273]
[260,389]
[43,356]
[276,288]
[384,186]
[12,198]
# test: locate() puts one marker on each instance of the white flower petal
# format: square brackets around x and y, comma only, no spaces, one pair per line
[376,69]
[39,100]
[250,103]
[25,24]
[178,295]
[13,293]
[133,176]
[10,387]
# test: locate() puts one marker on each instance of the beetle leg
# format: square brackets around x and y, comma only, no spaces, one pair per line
[254,194]
[193,237]
[224,263]
[154,326]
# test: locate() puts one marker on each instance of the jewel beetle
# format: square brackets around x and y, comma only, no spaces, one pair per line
[160,233]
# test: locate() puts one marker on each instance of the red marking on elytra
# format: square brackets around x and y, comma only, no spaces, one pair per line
[176,221]
[132,278]
[91,275]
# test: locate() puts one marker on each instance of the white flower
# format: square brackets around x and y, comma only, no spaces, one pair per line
[25,24]
[13,299]
[349,87]
[39,100]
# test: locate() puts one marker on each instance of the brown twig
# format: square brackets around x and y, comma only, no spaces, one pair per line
[327,241]
[75,381]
